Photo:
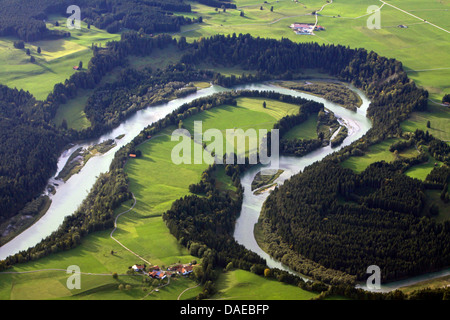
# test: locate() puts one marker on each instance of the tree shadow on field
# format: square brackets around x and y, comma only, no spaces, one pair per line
[47,69]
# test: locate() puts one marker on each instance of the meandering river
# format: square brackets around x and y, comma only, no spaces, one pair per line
[69,195]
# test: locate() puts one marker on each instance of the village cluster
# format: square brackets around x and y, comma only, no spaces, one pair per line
[306,28]
[156,272]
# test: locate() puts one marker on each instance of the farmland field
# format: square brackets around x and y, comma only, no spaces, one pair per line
[54,64]
[306,130]
[244,285]
[379,152]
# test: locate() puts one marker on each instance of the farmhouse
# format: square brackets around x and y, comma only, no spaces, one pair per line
[157,275]
[305,28]
[182,269]
[186,270]
[138,268]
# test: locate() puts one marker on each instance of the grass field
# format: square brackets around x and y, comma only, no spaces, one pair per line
[306,130]
[50,285]
[244,285]
[54,64]
[73,111]
[248,114]
[156,183]
[422,170]
[159,59]
[376,153]
[439,118]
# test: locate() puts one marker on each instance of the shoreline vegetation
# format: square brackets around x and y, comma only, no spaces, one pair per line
[265,180]
[340,137]
[28,216]
[80,157]
[330,90]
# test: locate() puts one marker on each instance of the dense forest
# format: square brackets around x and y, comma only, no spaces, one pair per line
[28,152]
[347,221]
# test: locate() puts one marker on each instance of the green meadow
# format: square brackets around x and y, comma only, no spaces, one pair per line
[380,152]
[52,285]
[306,130]
[376,153]
[158,59]
[422,170]
[73,111]
[439,117]
[244,285]
[55,62]
[248,114]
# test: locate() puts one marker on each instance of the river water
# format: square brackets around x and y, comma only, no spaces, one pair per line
[69,195]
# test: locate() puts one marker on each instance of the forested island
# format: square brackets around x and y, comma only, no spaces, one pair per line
[331,91]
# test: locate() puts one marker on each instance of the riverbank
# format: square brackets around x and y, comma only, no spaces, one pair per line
[272,244]
[331,90]
[34,211]
[81,156]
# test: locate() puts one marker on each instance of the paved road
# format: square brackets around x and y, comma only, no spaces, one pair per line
[179,296]
[317,19]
